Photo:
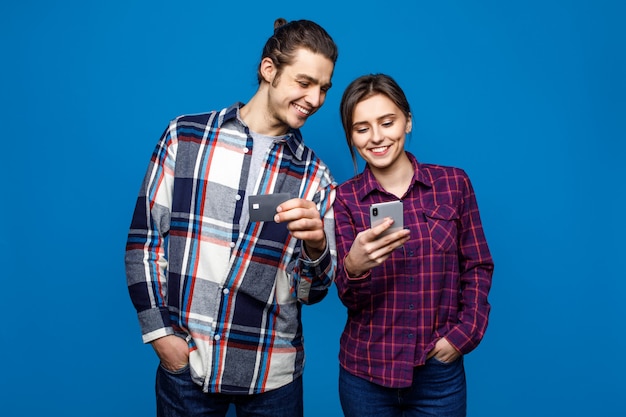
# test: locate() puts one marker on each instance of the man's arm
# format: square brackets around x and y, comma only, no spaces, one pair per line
[146,255]
[314,225]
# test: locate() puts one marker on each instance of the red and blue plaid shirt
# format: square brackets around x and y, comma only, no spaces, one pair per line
[435,286]
[197,267]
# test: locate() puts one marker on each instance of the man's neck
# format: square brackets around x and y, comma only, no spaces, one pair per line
[256,116]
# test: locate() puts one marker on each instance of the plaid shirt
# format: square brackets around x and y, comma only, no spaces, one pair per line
[436,285]
[232,289]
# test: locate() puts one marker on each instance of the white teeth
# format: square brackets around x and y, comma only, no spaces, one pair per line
[378,150]
[302,109]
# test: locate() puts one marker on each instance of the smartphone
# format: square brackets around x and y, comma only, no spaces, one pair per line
[393,209]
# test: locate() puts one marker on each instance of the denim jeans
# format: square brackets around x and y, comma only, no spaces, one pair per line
[438,390]
[178,396]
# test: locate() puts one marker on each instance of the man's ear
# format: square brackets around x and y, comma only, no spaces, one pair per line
[267,69]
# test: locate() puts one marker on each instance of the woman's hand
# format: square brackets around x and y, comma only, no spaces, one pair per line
[444,351]
[369,249]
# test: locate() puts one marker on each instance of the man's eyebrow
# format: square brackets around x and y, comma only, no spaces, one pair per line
[313,80]
[308,78]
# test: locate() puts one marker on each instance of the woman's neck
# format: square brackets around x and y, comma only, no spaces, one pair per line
[395,178]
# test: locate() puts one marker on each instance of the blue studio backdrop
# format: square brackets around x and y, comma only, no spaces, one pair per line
[528,97]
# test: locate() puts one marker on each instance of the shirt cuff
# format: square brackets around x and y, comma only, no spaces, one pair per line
[460,341]
[313,262]
[359,278]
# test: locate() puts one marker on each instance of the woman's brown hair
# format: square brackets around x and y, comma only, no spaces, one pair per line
[363,88]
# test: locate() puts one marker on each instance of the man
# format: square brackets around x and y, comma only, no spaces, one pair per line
[218,294]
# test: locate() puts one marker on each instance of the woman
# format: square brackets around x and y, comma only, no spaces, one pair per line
[416,297]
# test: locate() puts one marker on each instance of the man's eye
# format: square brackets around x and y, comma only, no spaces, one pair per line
[303,84]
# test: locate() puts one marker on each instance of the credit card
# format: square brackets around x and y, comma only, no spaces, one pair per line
[262,207]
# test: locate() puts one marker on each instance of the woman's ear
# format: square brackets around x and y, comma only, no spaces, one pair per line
[409,124]
[267,70]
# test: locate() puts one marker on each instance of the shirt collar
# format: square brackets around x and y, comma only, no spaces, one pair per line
[293,140]
[369,183]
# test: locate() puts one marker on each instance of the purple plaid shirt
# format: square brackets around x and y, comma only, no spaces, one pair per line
[435,286]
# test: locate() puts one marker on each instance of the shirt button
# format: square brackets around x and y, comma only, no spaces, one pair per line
[232,244]
[217,337]
[411,306]
[237,197]
[245,150]
[410,335]
[226,291]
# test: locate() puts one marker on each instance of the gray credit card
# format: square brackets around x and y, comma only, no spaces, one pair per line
[262,207]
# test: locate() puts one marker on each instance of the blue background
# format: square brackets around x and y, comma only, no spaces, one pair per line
[528,97]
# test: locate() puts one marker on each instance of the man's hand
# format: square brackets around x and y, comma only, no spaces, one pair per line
[370,250]
[173,352]
[305,223]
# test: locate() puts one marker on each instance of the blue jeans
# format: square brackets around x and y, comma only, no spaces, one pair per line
[178,396]
[438,390]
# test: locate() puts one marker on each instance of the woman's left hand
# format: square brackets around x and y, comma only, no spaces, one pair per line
[444,351]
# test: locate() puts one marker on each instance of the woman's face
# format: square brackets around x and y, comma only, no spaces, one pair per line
[379,129]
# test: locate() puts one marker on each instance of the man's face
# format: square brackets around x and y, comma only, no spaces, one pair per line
[299,90]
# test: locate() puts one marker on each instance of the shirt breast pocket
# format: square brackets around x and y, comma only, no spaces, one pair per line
[442,225]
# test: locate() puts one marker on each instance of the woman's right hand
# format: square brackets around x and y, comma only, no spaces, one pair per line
[173,352]
[369,250]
